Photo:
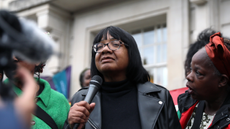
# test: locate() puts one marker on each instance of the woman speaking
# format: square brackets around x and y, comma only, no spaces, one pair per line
[126,100]
[207,102]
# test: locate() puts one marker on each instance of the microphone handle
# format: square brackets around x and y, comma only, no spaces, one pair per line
[89,97]
[76,126]
[91,93]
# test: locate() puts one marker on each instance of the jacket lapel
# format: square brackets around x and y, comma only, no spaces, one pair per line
[95,115]
[149,106]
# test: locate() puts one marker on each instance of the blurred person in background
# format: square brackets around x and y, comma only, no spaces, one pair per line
[126,100]
[206,104]
[51,107]
[17,38]
[50,104]
[85,78]
[17,115]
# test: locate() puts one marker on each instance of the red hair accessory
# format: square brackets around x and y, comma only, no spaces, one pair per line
[219,53]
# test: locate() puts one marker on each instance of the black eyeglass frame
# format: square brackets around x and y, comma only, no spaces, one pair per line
[107,44]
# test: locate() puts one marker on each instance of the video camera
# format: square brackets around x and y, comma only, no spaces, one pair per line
[21,38]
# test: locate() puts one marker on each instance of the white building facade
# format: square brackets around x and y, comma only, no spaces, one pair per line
[163,30]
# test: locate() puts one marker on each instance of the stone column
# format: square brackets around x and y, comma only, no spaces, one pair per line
[57,23]
[177,19]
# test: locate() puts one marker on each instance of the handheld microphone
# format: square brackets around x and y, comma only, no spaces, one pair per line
[94,86]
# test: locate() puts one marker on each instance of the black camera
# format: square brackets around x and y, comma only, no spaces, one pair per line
[21,38]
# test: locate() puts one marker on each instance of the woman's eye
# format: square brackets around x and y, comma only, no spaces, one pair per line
[88,78]
[115,44]
[99,46]
[198,73]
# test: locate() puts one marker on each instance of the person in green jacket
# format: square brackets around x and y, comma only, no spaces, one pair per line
[52,102]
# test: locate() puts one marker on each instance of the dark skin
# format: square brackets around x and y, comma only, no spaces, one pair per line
[87,78]
[25,103]
[204,84]
[30,67]
[112,65]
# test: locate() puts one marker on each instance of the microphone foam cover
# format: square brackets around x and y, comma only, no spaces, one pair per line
[39,46]
[97,78]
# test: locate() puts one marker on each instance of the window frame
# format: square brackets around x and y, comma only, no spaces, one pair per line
[152,68]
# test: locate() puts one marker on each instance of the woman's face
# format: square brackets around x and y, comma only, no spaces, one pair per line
[87,78]
[109,61]
[202,80]
[28,66]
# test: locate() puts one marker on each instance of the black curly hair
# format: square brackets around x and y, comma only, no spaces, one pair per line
[202,40]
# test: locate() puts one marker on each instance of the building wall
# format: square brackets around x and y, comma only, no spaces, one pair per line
[58,23]
[4,4]
[223,17]
[74,33]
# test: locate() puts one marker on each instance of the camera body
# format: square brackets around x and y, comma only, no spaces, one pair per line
[6,50]
[23,39]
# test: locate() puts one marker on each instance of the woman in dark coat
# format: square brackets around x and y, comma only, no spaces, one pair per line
[126,100]
[207,102]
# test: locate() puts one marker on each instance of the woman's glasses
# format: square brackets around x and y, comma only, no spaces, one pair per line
[112,45]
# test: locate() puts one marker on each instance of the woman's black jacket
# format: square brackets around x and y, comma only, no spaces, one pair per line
[222,117]
[155,104]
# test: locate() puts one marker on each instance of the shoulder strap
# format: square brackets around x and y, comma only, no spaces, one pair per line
[198,116]
[40,113]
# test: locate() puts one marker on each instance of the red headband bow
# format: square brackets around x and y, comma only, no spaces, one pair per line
[219,53]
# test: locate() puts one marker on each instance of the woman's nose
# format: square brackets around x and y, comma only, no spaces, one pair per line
[106,49]
[189,77]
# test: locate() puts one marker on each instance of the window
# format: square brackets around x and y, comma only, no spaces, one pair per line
[152,44]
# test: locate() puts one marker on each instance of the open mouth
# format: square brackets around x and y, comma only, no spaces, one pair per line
[190,90]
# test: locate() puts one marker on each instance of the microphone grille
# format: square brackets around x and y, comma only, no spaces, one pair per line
[97,78]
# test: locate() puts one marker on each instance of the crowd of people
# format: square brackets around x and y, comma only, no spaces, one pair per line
[127,99]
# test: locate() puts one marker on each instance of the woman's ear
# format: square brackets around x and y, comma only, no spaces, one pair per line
[223,80]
